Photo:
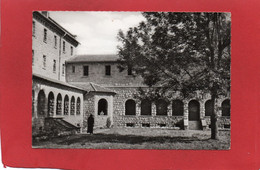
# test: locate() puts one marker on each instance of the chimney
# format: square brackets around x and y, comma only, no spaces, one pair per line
[45,13]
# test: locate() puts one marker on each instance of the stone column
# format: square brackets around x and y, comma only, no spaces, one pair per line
[153,109]
[138,108]
[169,109]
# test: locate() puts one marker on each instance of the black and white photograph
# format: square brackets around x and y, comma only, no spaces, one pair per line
[131,80]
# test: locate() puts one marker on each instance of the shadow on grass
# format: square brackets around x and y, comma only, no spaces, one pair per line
[126,139]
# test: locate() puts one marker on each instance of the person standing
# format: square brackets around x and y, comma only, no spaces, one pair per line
[90,124]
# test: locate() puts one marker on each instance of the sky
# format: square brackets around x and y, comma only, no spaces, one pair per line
[97,31]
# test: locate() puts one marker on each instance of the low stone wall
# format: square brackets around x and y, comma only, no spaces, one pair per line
[149,121]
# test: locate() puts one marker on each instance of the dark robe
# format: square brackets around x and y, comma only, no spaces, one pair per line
[90,124]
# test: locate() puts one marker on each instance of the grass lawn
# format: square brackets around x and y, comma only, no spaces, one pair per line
[139,138]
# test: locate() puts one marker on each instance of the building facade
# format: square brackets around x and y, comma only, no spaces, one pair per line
[55,103]
[179,113]
[67,88]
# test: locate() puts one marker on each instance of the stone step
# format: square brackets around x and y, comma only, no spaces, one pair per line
[195,125]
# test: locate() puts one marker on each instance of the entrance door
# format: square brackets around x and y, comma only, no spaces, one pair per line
[194,115]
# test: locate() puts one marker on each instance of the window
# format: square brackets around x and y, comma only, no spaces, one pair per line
[32,56]
[73,69]
[63,69]
[102,107]
[50,104]
[129,71]
[33,29]
[54,66]
[55,41]
[44,61]
[78,106]
[41,104]
[66,105]
[209,108]
[64,47]
[177,108]
[108,70]
[72,106]
[85,70]
[45,36]
[161,107]
[71,50]
[59,105]
[146,107]
[225,107]
[130,107]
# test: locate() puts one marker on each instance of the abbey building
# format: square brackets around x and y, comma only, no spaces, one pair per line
[67,88]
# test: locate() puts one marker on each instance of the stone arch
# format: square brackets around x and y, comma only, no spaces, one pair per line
[72,106]
[102,107]
[66,105]
[59,105]
[209,108]
[225,107]
[161,107]
[50,104]
[41,106]
[130,107]
[177,108]
[78,106]
[194,110]
[146,107]
[33,102]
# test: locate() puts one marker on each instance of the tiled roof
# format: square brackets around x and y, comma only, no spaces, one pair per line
[93,58]
[57,82]
[92,87]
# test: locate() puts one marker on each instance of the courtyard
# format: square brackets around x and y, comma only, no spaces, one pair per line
[140,138]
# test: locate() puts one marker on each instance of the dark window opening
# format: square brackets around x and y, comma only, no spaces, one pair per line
[85,70]
[162,125]
[108,70]
[33,31]
[54,66]
[130,125]
[227,126]
[63,69]
[45,35]
[50,104]
[209,108]
[72,106]
[130,107]
[177,108]
[146,107]
[64,47]
[102,107]
[55,41]
[71,50]
[194,110]
[225,107]
[161,107]
[66,105]
[78,106]
[59,105]
[145,124]
[73,69]
[41,104]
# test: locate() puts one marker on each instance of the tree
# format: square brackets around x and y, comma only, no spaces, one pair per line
[183,52]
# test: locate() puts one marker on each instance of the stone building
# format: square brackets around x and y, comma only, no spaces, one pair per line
[67,88]
[55,103]
[126,111]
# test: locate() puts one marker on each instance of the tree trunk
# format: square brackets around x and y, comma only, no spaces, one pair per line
[214,119]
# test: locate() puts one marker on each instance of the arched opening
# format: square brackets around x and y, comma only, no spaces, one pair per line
[146,107]
[194,110]
[102,107]
[59,104]
[72,106]
[33,100]
[78,106]
[130,107]
[66,105]
[161,107]
[50,104]
[41,104]
[177,108]
[209,108]
[225,107]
